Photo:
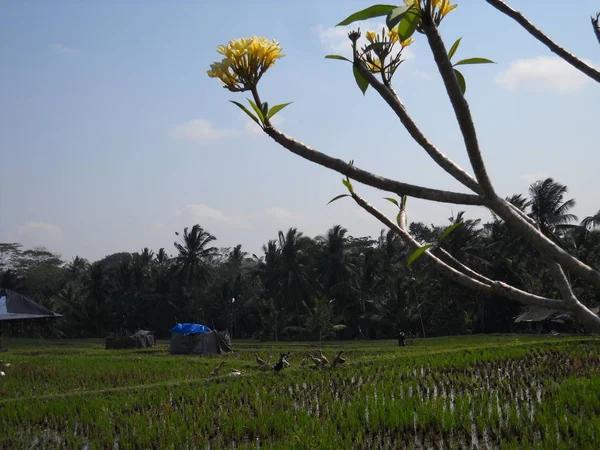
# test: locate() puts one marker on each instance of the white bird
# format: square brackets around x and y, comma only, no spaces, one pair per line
[2,374]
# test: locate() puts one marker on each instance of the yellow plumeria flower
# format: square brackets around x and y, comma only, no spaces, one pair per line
[446,7]
[439,7]
[393,34]
[371,36]
[407,42]
[246,60]
[374,65]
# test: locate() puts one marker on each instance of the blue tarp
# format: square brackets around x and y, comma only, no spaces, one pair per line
[190,328]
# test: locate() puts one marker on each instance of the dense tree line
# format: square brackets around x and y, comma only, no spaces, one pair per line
[333,285]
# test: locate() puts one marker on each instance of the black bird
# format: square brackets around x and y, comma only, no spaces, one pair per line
[282,362]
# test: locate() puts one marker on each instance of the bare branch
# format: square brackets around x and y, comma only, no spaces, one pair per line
[501,207]
[587,317]
[507,212]
[451,260]
[596,26]
[393,100]
[369,178]
[496,287]
[460,106]
[553,46]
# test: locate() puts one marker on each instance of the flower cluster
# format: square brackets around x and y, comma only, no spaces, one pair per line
[381,55]
[437,8]
[245,61]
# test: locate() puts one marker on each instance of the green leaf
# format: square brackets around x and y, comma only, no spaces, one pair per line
[362,83]
[374,45]
[265,109]
[337,57]
[393,200]
[418,253]
[461,81]
[257,110]
[275,109]
[243,108]
[474,61]
[408,24]
[368,13]
[337,198]
[454,48]
[449,230]
[395,16]
[348,185]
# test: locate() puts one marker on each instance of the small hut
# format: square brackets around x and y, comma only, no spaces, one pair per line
[15,307]
[543,320]
[141,339]
[197,339]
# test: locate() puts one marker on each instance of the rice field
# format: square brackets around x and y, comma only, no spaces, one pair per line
[467,392]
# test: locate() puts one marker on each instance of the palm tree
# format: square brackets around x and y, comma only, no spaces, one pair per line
[77,269]
[334,268]
[591,222]
[79,313]
[293,269]
[549,209]
[98,292]
[194,254]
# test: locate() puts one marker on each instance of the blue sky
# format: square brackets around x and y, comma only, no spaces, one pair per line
[112,137]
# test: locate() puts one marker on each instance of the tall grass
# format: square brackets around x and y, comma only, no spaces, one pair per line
[486,392]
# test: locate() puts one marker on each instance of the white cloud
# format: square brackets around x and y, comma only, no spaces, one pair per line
[41,233]
[155,227]
[283,215]
[544,73]
[201,212]
[530,178]
[252,128]
[63,49]
[200,130]
[335,39]
[422,75]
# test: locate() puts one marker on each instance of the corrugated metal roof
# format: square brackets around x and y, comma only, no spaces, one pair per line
[536,315]
[15,316]
[541,314]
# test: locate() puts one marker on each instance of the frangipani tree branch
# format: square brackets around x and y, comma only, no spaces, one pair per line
[460,106]
[553,46]
[501,207]
[393,100]
[495,287]
[462,267]
[369,178]
[587,317]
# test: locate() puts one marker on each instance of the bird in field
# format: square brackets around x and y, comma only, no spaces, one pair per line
[318,362]
[282,362]
[236,372]
[323,357]
[259,360]
[266,366]
[338,360]
[217,370]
